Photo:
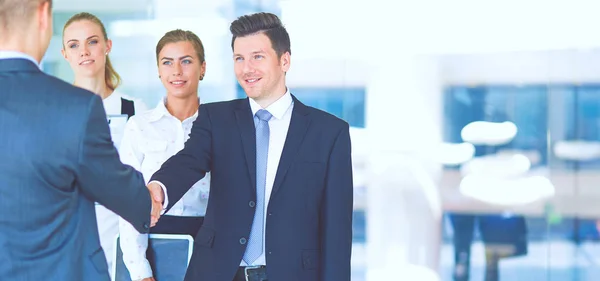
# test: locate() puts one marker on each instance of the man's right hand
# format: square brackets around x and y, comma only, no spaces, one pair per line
[158,197]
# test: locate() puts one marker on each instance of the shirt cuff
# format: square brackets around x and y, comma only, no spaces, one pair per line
[140,271]
[134,246]
[166,201]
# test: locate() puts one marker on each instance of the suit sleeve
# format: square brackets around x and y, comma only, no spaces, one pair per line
[180,172]
[104,179]
[336,212]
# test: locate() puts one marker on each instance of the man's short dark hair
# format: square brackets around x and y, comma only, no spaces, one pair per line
[266,23]
[14,14]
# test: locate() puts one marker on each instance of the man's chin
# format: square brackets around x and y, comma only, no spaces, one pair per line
[251,93]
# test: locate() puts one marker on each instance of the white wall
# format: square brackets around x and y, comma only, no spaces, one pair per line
[566,66]
[327,72]
[478,41]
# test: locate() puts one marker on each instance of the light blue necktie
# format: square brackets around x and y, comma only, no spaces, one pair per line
[255,243]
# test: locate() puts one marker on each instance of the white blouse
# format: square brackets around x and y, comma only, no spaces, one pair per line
[150,138]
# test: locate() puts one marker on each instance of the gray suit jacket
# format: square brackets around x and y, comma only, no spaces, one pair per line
[57,158]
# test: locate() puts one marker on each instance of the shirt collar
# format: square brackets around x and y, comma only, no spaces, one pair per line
[17,55]
[161,111]
[278,108]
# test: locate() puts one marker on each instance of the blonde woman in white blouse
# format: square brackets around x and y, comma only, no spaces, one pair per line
[152,137]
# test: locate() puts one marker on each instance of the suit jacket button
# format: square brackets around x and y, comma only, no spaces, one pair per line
[243,241]
[146,226]
[251,204]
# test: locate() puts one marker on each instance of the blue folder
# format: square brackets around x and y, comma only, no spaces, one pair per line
[172,254]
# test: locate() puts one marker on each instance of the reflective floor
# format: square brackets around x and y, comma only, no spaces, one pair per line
[552,254]
[564,263]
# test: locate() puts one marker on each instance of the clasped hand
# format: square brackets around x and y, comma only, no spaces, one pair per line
[157,196]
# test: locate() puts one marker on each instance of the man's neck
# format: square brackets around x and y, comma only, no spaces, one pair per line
[96,85]
[182,108]
[271,98]
[21,45]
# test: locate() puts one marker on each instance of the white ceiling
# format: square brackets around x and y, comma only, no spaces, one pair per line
[442,27]
[102,5]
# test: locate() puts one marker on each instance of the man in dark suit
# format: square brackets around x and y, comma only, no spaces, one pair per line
[57,159]
[280,203]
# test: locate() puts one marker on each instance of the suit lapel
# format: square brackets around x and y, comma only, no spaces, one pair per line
[243,115]
[296,132]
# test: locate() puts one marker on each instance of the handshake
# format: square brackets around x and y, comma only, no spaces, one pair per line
[157,197]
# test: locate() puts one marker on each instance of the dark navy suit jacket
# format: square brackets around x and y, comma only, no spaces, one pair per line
[309,217]
[57,158]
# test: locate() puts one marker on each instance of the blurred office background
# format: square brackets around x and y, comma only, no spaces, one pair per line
[475,124]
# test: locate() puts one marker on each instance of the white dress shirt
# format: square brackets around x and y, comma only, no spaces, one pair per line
[278,128]
[150,138]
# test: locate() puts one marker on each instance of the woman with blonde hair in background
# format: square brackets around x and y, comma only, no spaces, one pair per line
[86,47]
[152,137]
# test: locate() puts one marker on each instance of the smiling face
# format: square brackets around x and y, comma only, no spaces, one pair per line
[85,48]
[258,69]
[180,69]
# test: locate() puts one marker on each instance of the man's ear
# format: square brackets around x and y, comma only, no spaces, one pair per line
[285,61]
[44,15]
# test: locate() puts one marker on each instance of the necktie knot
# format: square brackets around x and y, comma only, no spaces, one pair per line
[264,115]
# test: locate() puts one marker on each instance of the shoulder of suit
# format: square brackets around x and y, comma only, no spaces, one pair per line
[62,89]
[234,102]
[222,106]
